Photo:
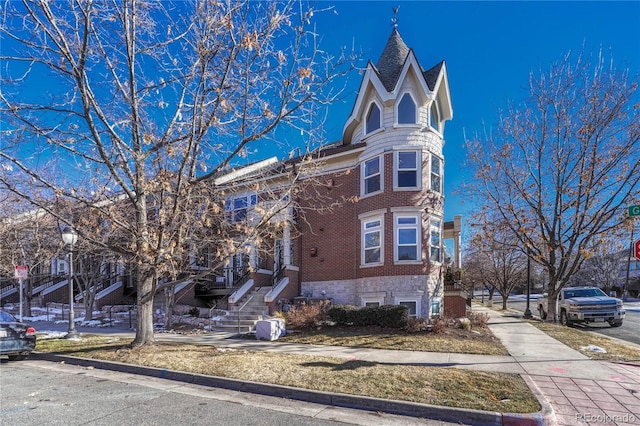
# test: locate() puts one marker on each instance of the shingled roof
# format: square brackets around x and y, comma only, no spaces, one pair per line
[392,60]
[431,75]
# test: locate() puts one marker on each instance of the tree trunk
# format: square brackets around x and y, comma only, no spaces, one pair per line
[89,301]
[552,301]
[169,302]
[144,319]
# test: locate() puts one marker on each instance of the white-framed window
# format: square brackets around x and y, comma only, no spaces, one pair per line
[435,240]
[372,175]
[407,172]
[373,118]
[436,306]
[59,266]
[407,237]
[434,117]
[436,174]
[236,207]
[412,305]
[410,299]
[373,299]
[406,110]
[372,236]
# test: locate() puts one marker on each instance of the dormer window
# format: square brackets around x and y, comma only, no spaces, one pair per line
[434,117]
[373,118]
[406,112]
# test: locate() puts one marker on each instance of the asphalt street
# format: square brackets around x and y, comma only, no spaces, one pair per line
[627,332]
[38,393]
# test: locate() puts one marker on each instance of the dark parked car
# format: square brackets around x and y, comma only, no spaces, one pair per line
[17,339]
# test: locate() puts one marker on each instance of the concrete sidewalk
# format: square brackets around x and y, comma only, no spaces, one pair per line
[571,388]
[580,390]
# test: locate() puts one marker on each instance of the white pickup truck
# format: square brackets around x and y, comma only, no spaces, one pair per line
[584,304]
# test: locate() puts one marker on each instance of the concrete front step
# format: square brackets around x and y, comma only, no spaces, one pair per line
[253,311]
[233,328]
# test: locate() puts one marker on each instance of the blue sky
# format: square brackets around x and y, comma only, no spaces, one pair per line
[489,47]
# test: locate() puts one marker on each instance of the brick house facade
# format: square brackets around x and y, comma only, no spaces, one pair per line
[387,247]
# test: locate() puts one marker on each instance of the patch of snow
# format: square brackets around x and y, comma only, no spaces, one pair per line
[44,335]
[593,348]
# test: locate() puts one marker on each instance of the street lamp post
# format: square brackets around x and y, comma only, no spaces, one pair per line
[527,311]
[70,237]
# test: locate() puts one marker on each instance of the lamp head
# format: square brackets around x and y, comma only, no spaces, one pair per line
[69,236]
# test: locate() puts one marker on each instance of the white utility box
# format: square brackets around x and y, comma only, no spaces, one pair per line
[270,329]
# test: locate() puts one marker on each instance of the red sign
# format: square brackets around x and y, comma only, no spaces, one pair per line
[636,249]
[22,272]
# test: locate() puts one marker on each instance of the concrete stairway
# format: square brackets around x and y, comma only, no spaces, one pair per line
[253,309]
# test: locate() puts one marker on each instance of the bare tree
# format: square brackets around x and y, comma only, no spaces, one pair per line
[28,237]
[142,97]
[603,267]
[496,256]
[561,168]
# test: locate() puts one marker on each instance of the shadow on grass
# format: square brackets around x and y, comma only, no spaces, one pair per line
[343,366]
[87,350]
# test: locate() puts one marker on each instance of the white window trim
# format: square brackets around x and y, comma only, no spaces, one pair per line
[439,261]
[396,115]
[438,301]
[409,297]
[435,128]
[377,215]
[396,163]
[230,209]
[377,297]
[400,213]
[366,131]
[441,172]
[362,176]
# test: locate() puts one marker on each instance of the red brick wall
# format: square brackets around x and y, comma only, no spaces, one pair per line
[115,297]
[336,236]
[455,306]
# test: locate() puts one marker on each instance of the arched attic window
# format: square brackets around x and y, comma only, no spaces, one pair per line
[372,122]
[406,112]
[434,117]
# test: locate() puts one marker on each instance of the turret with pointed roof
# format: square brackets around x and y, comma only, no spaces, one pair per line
[392,60]
[383,80]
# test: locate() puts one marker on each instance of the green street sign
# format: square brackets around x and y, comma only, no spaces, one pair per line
[634,210]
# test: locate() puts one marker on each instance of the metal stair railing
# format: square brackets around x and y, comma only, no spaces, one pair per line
[241,308]
[278,275]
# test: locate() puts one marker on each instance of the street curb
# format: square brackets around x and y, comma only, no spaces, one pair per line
[546,416]
[403,408]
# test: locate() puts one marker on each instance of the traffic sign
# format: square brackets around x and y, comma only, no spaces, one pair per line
[636,249]
[634,210]
[22,272]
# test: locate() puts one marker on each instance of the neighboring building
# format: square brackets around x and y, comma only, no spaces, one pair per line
[617,272]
